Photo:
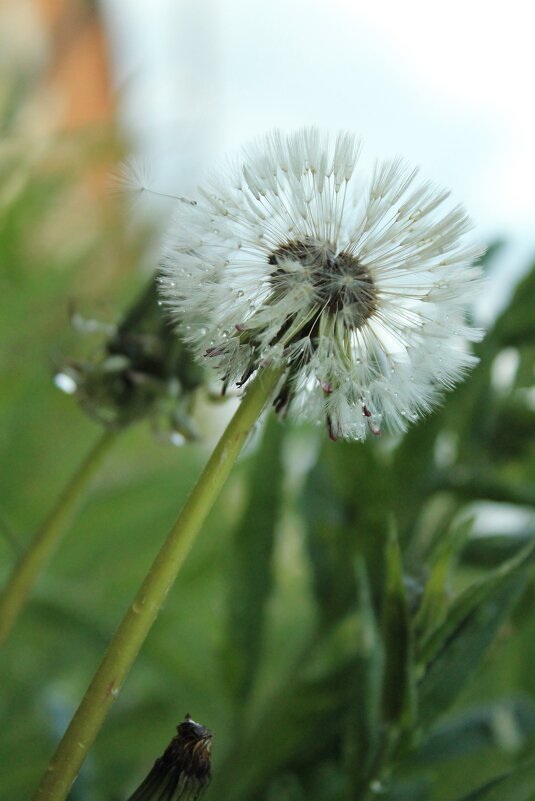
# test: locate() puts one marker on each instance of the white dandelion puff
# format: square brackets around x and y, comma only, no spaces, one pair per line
[359,290]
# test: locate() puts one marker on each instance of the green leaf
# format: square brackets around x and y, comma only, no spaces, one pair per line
[302,725]
[433,607]
[250,571]
[364,714]
[398,688]
[414,469]
[506,725]
[330,542]
[516,325]
[453,652]
[489,550]
[517,785]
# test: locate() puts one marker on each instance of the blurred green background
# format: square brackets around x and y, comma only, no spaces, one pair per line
[324,673]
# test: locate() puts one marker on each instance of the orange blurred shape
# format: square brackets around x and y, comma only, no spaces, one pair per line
[78,71]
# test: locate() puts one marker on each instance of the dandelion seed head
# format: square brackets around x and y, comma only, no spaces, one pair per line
[358,288]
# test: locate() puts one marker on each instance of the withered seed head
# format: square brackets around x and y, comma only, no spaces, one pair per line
[183,772]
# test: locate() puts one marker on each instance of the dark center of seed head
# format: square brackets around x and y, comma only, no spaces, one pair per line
[340,281]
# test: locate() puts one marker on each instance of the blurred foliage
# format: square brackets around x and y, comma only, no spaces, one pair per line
[355,620]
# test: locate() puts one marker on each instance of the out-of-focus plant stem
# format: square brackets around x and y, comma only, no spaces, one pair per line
[129,637]
[47,539]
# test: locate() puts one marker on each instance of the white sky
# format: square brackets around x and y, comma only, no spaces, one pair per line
[449,86]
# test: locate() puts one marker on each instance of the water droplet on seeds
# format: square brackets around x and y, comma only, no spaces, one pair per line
[241,293]
[66,383]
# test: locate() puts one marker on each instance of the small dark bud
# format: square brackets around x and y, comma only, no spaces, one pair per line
[183,772]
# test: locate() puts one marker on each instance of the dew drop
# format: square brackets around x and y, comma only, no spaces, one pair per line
[66,383]
[241,293]
[377,787]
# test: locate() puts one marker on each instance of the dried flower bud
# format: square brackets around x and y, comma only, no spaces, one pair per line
[183,772]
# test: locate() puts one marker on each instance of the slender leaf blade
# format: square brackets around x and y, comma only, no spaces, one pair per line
[398,688]
[250,571]
[517,785]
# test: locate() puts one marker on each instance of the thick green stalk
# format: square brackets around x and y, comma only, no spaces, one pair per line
[135,626]
[34,558]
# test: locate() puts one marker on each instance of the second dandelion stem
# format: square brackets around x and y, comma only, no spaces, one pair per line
[39,551]
[142,613]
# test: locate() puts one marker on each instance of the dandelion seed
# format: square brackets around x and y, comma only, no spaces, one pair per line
[360,294]
[133,178]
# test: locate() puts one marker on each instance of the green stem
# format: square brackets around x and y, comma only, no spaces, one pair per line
[34,558]
[10,536]
[142,613]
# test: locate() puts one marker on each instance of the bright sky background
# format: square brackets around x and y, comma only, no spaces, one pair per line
[449,86]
